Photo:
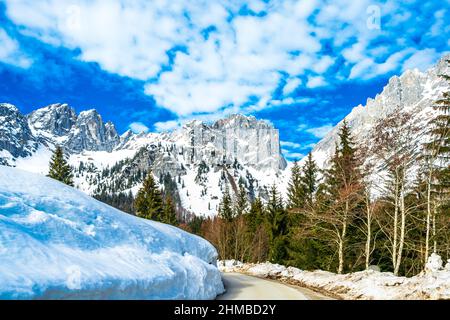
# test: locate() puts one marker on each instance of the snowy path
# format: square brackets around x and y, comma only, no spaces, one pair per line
[244,287]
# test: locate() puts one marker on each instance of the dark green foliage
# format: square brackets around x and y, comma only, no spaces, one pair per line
[255,216]
[122,201]
[309,179]
[169,215]
[241,203]
[296,191]
[149,202]
[59,168]
[303,184]
[226,206]
[195,224]
[439,147]
[276,224]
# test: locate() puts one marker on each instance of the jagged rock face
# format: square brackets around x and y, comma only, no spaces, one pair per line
[245,139]
[90,133]
[59,124]
[413,92]
[56,119]
[15,134]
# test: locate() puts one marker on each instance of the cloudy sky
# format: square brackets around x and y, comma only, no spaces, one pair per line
[152,65]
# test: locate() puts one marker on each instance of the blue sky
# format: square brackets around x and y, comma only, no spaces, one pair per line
[152,65]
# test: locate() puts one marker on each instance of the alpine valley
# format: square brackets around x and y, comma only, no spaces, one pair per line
[199,160]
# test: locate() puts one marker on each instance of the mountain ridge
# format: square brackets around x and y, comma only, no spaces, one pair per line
[203,158]
[200,158]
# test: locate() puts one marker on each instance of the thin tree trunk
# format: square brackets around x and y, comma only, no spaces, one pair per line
[434,228]
[402,229]
[394,246]
[427,236]
[342,240]
[341,256]
[369,234]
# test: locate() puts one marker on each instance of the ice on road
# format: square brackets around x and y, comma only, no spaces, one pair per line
[243,287]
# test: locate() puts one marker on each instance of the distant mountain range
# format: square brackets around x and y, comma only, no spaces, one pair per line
[198,160]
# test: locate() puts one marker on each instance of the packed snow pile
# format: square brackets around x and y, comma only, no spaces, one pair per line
[59,243]
[434,283]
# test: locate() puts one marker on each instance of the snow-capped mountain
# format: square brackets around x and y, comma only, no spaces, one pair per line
[414,92]
[16,138]
[199,159]
[59,124]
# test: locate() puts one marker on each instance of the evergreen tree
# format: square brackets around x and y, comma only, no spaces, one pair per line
[301,247]
[241,203]
[309,179]
[149,203]
[257,237]
[341,195]
[255,216]
[59,168]
[276,221]
[226,206]
[296,191]
[169,213]
[440,143]
[437,157]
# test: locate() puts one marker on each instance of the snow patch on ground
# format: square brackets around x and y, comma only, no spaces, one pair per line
[57,242]
[434,283]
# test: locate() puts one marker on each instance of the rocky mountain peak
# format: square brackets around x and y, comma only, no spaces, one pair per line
[91,133]
[413,91]
[7,108]
[16,137]
[56,119]
[241,121]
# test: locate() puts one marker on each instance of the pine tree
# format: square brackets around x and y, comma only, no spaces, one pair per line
[149,203]
[309,179]
[255,216]
[257,232]
[440,132]
[241,203]
[169,213]
[341,197]
[438,166]
[276,221]
[301,247]
[226,206]
[59,168]
[296,191]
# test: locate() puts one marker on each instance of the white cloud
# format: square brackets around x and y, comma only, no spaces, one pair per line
[291,85]
[10,52]
[290,144]
[320,132]
[367,68]
[315,81]
[138,127]
[166,125]
[323,64]
[422,59]
[292,155]
[242,58]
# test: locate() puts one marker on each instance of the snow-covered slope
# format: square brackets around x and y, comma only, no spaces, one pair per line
[57,242]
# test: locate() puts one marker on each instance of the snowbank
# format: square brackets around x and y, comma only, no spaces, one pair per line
[57,242]
[365,285]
